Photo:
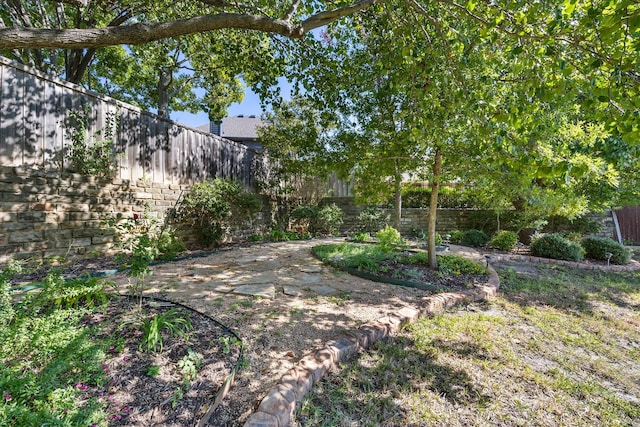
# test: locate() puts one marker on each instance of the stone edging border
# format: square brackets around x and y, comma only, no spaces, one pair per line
[632,266]
[278,406]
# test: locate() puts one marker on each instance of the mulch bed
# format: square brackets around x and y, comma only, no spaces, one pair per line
[133,396]
[422,274]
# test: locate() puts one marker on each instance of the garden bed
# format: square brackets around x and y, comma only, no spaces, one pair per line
[403,267]
[74,356]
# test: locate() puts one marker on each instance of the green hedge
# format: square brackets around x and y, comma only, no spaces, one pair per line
[598,247]
[556,247]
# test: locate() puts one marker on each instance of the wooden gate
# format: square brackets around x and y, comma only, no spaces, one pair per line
[629,220]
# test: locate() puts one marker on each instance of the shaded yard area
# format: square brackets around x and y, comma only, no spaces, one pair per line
[560,346]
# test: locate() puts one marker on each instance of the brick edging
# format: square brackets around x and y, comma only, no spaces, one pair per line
[278,406]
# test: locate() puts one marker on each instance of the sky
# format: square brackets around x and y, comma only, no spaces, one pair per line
[250,105]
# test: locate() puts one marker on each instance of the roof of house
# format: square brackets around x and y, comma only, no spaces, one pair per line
[240,127]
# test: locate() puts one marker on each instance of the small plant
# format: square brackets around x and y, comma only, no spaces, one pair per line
[599,247]
[153,371]
[58,293]
[137,239]
[556,247]
[454,265]
[504,240]
[279,236]
[169,245]
[171,321]
[361,237]
[388,238]
[227,342]
[97,157]
[421,258]
[6,304]
[455,236]
[328,220]
[176,397]
[189,365]
[475,238]
[256,238]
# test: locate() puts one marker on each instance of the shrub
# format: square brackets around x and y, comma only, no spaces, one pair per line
[328,220]
[209,207]
[388,238]
[371,219]
[455,265]
[475,238]
[504,240]
[597,247]
[455,236]
[169,246]
[360,237]
[557,247]
[319,220]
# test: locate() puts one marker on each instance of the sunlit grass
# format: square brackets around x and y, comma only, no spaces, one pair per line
[559,347]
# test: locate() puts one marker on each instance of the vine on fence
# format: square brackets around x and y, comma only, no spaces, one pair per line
[95,157]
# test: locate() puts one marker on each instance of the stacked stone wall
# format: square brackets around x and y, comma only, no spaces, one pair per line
[44,215]
[415,220]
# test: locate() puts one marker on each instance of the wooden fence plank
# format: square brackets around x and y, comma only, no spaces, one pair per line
[37,126]
[629,221]
[33,101]
[11,118]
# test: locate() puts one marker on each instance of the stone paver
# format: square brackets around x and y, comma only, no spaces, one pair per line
[261,290]
[323,289]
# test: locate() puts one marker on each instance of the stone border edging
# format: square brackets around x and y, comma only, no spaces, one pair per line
[632,266]
[279,405]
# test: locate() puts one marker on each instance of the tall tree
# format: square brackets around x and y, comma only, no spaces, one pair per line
[468,101]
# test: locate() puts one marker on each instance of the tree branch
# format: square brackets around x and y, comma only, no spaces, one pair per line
[294,6]
[325,18]
[21,37]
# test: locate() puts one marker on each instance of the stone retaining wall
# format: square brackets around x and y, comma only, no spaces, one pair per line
[416,219]
[45,215]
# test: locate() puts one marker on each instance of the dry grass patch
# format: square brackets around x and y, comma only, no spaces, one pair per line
[559,347]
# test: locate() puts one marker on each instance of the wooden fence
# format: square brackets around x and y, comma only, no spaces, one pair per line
[629,221]
[38,117]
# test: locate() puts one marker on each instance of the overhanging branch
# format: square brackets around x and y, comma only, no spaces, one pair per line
[21,37]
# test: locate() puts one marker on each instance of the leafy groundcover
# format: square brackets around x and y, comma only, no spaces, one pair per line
[73,354]
[403,267]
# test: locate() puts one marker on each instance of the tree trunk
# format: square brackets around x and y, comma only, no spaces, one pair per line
[433,209]
[397,200]
[164,83]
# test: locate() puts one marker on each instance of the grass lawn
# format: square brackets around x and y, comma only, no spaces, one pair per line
[560,346]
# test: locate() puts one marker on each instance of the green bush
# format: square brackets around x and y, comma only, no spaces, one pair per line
[319,220]
[169,245]
[388,238]
[556,247]
[475,238]
[371,219]
[361,237]
[452,265]
[455,236]
[597,247]
[328,220]
[209,207]
[504,240]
